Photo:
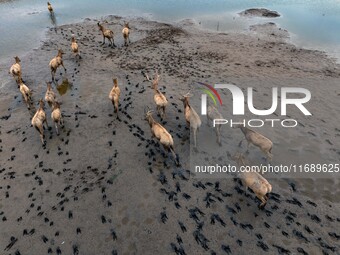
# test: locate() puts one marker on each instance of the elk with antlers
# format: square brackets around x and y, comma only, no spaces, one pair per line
[162,135]
[192,118]
[159,98]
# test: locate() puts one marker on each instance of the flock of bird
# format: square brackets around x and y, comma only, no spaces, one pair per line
[255,181]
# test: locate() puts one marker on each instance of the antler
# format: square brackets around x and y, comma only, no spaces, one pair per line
[146,76]
[147,110]
[188,94]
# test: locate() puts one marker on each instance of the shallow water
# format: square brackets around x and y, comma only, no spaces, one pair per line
[63,87]
[312,23]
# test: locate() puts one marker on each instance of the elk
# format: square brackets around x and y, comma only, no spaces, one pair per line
[26,92]
[50,95]
[114,95]
[57,116]
[49,7]
[213,113]
[56,62]
[38,121]
[15,69]
[258,140]
[162,135]
[192,118]
[107,33]
[126,34]
[253,180]
[159,98]
[74,47]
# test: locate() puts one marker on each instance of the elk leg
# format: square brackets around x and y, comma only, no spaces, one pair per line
[175,156]
[46,124]
[41,132]
[245,189]
[56,128]
[240,143]
[247,151]
[53,74]
[195,139]
[269,156]
[263,204]
[116,107]
[163,111]
[62,63]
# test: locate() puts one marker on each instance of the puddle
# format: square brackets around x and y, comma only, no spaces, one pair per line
[64,87]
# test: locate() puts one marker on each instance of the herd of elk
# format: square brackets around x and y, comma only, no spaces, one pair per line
[254,181]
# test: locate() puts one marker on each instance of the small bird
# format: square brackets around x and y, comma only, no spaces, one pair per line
[164,217]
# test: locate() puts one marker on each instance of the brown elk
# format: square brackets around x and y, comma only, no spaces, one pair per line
[26,92]
[75,47]
[39,119]
[257,183]
[192,118]
[57,116]
[162,135]
[15,69]
[114,95]
[50,95]
[258,140]
[56,62]
[49,7]
[126,34]
[107,33]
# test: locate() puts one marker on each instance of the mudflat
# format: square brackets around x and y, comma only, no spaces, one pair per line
[103,186]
